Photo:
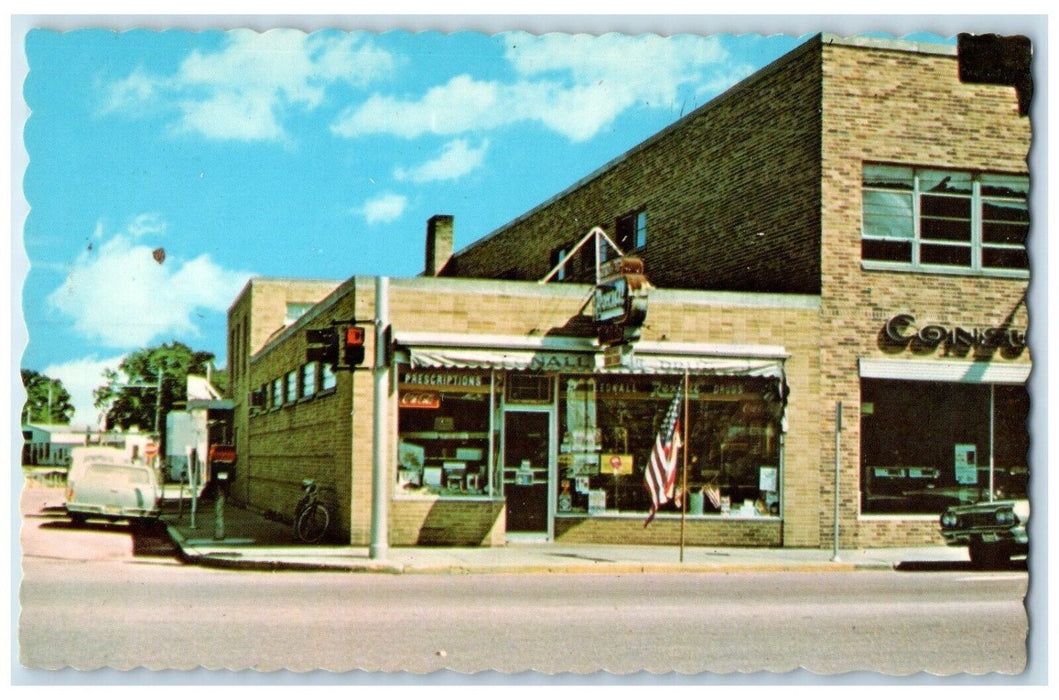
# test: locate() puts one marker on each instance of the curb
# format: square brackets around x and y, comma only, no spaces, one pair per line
[237,563]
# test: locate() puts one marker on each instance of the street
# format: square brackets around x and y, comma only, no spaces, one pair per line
[113,596]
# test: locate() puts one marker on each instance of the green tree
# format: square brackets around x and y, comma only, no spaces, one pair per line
[147,384]
[47,401]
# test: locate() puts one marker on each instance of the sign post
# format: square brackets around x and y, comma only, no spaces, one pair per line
[684,480]
[838,462]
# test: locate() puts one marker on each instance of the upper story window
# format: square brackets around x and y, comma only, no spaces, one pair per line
[631,231]
[277,392]
[292,386]
[328,380]
[308,379]
[558,255]
[295,310]
[944,220]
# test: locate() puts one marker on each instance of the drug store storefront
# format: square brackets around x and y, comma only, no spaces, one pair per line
[513,438]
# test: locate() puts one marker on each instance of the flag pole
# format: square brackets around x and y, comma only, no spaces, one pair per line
[684,485]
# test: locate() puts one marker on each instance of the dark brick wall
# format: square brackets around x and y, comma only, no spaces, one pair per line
[732,195]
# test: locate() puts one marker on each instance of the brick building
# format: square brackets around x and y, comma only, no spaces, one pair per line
[845,228]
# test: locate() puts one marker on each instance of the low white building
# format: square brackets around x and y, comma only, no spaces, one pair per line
[49,445]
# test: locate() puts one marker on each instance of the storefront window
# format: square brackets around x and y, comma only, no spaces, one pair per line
[444,421]
[926,445]
[608,428]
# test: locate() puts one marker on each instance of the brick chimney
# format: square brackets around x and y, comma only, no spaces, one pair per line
[439,244]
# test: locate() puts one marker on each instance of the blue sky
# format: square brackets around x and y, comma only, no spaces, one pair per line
[315,155]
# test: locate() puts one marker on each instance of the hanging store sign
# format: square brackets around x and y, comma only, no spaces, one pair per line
[900,331]
[620,302]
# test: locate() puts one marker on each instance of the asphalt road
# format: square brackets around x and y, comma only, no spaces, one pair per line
[110,596]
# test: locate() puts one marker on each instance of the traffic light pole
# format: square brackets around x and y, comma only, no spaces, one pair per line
[380,483]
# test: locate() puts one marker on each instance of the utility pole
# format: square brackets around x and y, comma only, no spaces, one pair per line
[380,492]
[157,386]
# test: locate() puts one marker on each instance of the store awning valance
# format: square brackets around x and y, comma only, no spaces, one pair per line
[573,355]
[954,371]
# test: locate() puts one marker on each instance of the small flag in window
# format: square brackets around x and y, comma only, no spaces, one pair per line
[714,494]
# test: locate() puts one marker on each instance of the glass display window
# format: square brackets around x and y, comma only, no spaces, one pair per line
[609,426]
[927,445]
[444,424]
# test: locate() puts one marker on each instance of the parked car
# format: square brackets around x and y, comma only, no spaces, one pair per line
[103,483]
[992,531]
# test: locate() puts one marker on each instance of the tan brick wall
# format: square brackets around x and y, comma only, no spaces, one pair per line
[329,437]
[256,314]
[709,532]
[908,108]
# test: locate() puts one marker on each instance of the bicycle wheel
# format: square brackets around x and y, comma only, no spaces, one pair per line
[313,523]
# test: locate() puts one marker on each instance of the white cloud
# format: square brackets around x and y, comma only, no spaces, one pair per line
[457,159]
[384,208]
[244,90]
[574,85]
[142,225]
[117,293]
[80,378]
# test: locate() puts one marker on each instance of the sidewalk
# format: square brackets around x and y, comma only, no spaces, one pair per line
[252,542]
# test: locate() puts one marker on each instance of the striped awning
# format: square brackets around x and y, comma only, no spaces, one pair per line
[584,355]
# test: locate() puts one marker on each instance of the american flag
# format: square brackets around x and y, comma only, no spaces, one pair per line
[714,494]
[661,475]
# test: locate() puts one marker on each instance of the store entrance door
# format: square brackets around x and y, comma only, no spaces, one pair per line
[527,453]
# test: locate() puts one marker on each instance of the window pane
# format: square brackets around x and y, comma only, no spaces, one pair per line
[1014,234]
[949,207]
[1012,441]
[944,181]
[641,229]
[945,255]
[1005,210]
[308,379]
[292,386]
[609,426]
[327,376]
[888,214]
[910,432]
[443,444]
[896,251]
[1005,258]
[1017,186]
[946,229]
[888,177]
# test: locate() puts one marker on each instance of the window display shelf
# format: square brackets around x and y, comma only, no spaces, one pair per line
[436,435]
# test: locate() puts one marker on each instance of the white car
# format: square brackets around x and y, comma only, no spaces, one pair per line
[103,483]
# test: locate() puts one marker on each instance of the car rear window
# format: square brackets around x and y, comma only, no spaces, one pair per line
[118,472]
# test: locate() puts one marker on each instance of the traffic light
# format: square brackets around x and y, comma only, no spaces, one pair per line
[354,347]
[323,345]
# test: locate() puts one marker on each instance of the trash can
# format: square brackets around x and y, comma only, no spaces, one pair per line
[695,503]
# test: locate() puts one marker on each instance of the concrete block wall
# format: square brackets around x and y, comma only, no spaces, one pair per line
[903,107]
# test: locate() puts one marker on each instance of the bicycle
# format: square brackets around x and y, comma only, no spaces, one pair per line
[311,517]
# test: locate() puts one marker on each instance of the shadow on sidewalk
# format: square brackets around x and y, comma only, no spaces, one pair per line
[910,566]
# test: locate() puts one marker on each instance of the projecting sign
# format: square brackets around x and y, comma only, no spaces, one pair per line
[620,302]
